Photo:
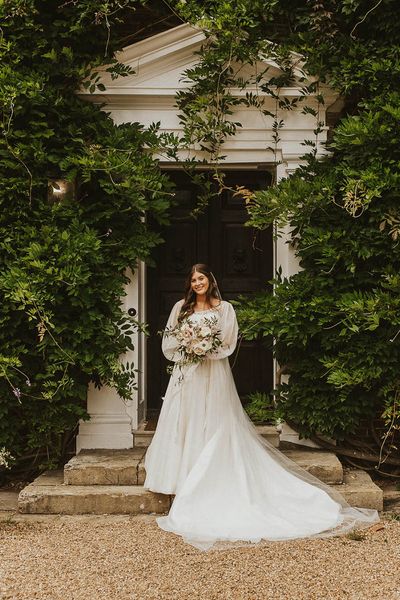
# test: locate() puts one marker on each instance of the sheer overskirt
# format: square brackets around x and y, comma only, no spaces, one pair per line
[231,486]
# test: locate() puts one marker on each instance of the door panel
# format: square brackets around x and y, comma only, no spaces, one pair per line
[241,260]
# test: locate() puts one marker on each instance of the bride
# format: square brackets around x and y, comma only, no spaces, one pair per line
[230,484]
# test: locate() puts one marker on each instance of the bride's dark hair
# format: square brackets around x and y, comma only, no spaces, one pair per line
[190,295]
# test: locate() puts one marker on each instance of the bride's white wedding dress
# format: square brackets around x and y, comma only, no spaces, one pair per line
[230,484]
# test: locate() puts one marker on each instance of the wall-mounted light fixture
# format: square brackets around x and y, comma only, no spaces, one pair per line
[60,190]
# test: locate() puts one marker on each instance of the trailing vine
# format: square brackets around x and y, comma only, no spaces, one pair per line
[228,76]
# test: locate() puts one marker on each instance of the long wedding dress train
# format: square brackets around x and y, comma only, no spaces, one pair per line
[230,484]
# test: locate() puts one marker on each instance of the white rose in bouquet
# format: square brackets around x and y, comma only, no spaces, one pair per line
[205,331]
[202,347]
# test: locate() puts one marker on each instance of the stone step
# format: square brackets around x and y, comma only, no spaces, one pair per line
[359,490]
[47,494]
[270,433]
[322,464]
[106,467]
[126,467]
[142,437]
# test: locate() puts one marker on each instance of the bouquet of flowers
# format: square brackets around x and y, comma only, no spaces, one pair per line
[195,340]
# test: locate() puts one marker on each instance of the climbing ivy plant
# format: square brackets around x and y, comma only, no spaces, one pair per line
[334,326]
[63,263]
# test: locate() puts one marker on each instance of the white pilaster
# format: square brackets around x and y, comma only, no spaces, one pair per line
[110,423]
[285,253]
[112,419]
[289,262]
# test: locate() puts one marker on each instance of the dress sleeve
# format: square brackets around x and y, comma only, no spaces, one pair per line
[169,344]
[229,333]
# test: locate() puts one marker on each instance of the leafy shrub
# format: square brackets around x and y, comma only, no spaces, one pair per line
[63,264]
[335,325]
[260,408]
[336,322]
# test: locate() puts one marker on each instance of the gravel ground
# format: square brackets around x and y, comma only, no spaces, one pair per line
[130,558]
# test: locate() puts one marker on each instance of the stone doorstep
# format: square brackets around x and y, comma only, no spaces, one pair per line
[270,433]
[126,467]
[49,495]
[142,438]
[106,467]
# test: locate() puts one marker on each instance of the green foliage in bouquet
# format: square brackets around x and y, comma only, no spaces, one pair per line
[63,264]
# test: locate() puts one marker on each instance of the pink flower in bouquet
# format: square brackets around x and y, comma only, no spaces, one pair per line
[198,351]
[187,330]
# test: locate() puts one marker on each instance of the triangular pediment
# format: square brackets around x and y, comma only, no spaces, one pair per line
[159,64]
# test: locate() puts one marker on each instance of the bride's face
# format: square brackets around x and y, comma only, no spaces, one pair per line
[199,283]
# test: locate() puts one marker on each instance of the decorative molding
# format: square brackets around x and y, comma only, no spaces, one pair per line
[160,61]
[167,42]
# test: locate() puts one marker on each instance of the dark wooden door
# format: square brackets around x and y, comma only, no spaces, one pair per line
[241,260]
